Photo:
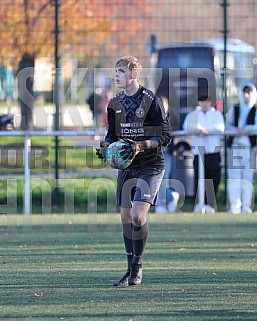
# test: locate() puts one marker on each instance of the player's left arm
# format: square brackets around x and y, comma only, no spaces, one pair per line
[159,131]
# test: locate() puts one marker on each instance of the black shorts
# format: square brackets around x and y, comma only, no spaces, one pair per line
[138,185]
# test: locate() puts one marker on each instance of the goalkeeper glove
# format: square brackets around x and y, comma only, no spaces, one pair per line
[130,148]
[101,150]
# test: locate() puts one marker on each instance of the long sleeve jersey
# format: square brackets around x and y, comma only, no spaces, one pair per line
[139,117]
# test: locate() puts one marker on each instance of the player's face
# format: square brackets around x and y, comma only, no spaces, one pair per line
[123,77]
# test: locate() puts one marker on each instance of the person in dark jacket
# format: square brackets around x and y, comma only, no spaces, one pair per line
[94,100]
[137,115]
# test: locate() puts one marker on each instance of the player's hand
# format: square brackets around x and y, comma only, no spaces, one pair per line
[101,150]
[129,149]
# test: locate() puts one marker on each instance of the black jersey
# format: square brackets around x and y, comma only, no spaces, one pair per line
[139,117]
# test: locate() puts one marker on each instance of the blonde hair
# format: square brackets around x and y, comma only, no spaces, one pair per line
[130,62]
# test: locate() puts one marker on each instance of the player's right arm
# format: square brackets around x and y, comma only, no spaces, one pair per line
[111,131]
[110,136]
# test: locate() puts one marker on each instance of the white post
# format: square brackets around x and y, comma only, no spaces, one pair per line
[27,196]
[201,177]
[201,184]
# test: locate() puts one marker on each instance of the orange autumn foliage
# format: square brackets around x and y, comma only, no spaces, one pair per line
[27,26]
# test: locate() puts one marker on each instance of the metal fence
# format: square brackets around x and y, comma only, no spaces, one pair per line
[45,188]
[54,39]
[171,21]
[92,34]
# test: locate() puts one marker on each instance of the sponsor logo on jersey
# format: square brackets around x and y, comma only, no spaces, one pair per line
[135,131]
[131,125]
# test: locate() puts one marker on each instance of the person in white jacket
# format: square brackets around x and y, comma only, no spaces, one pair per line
[242,118]
[205,120]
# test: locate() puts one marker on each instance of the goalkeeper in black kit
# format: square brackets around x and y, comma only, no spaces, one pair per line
[136,116]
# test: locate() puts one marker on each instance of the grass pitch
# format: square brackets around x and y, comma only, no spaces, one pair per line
[196,268]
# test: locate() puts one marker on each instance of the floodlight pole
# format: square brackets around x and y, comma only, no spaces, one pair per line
[225,36]
[57,102]
[151,44]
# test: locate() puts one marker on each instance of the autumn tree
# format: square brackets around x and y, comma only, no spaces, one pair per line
[27,26]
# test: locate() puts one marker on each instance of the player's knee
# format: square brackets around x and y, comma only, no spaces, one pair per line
[138,220]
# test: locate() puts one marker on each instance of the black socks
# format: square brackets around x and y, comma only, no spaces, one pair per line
[127,236]
[139,237]
[134,240]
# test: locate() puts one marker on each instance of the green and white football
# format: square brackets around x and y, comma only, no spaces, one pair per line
[114,158]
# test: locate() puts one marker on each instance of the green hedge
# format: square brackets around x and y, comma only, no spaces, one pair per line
[78,195]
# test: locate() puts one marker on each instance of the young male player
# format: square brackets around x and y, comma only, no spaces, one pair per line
[137,116]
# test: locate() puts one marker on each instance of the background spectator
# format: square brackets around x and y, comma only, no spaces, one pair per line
[167,197]
[205,120]
[93,101]
[243,119]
